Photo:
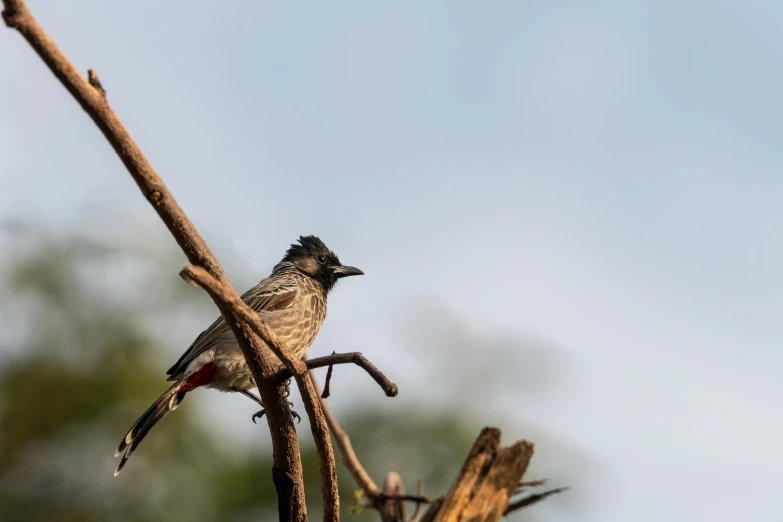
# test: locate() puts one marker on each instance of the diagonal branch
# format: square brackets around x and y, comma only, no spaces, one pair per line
[357,471]
[384,500]
[323,445]
[489,476]
[224,298]
[287,468]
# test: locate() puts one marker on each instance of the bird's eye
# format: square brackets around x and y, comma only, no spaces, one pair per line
[322,259]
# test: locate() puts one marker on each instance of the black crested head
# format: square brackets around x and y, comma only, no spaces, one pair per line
[309,246]
[314,258]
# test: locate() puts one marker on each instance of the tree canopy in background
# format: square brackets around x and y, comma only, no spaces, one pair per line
[81,358]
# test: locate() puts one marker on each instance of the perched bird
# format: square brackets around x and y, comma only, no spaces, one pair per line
[292,301]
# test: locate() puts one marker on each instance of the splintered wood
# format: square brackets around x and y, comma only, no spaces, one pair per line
[486,482]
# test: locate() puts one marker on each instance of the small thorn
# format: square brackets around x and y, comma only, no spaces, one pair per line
[92,79]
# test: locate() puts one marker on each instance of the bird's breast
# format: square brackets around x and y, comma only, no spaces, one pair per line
[299,324]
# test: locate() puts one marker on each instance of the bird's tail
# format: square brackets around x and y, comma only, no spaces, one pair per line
[165,403]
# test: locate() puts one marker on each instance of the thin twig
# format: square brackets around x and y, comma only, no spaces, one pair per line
[532,499]
[328,381]
[389,388]
[418,498]
[419,492]
[351,461]
[323,444]
[531,483]
[287,467]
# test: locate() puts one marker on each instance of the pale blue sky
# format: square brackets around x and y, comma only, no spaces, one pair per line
[606,176]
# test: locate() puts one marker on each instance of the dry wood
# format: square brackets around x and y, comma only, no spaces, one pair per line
[323,444]
[389,388]
[224,296]
[312,403]
[531,499]
[287,468]
[490,475]
[488,479]
[351,461]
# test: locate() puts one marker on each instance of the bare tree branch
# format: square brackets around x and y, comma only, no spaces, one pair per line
[530,484]
[328,381]
[92,78]
[419,493]
[389,388]
[320,431]
[351,461]
[487,480]
[287,468]
[390,501]
[323,444]
[227,298]
[489,476]
[418,498]
[531,499]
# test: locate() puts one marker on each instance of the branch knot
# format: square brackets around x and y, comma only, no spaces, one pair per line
[92,78]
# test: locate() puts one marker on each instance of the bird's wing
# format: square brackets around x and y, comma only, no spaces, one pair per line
[266,298]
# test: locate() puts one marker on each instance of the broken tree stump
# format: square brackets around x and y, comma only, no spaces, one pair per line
[486,482]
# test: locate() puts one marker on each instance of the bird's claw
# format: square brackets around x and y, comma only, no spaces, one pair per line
[261,413]
[294,415]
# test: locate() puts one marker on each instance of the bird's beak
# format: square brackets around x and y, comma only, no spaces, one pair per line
[345,271]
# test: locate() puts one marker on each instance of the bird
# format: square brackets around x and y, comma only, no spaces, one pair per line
[292,301]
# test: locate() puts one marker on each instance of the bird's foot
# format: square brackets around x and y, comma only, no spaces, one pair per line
[287,387]
[294,415]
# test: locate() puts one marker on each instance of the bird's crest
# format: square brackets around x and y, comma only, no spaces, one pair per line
[309,246]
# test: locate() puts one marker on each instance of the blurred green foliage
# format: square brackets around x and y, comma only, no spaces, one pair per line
[80,360]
